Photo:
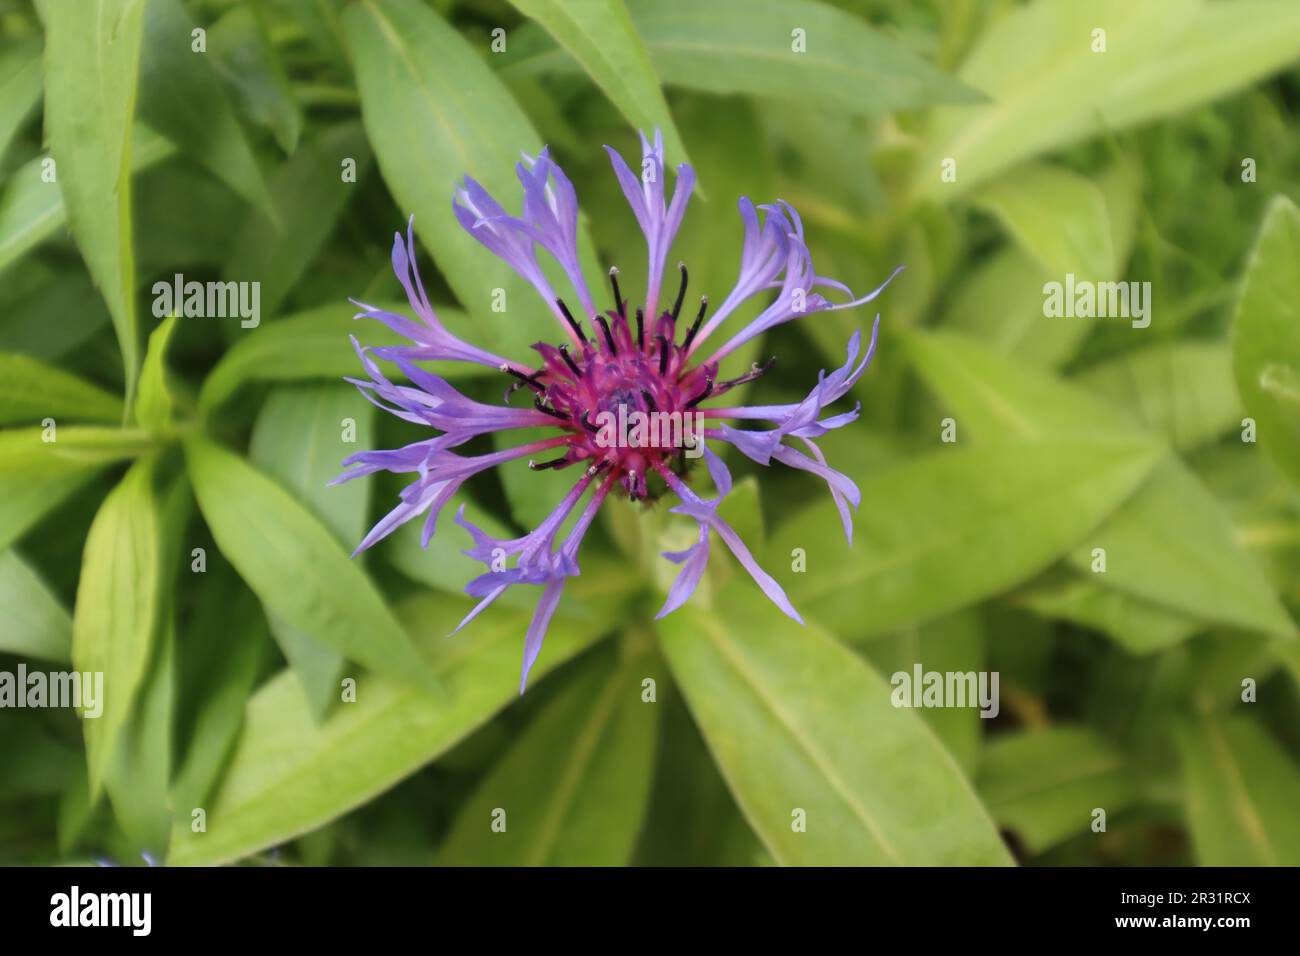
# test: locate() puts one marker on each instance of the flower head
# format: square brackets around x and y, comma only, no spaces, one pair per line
[626,364]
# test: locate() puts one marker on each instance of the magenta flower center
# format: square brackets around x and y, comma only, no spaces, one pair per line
[626,391]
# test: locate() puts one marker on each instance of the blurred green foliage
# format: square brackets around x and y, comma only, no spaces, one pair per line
[177,533]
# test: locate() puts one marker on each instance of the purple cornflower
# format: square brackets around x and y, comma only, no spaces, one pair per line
[619,365]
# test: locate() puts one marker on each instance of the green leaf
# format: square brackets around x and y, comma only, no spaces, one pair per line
[263,530]
[925,551]
[749,47]
[40,467]
[20,87]
[290,775]
[1044,784]
[39,762]
[310,345]
[153,411]
[216,677]
[1242,791]
[309,194]
[32,210]
[995,396]
[139,774]
[434,113]
[116,619]
[1183,389]
[299,439]
[37,625]
[62,297]
[1173,544]
[952,644]
[1000,303]
[92,60]
[181,96]
[1137,625]
[321,24]
[1058,216]
[1266,336]
[31,391]
[600,36]
[574,785]
[251,67]
[1047,88]
[798,723]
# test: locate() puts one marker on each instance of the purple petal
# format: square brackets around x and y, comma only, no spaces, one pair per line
[693,561]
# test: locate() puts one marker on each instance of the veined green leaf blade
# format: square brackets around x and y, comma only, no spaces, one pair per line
[575,784]
[154,409]
[1049,87]
[1266,336]
[92,62]
[265,533]
[31,391]
[41,467]
[38,625]
[797,722]
[181,96]
[20,87]
[32,209]
[119,597]
[601,37]
[301,436]
[952,528]
[1242,791]
[1043,784]
[750,47]
[289,775]
[435,113]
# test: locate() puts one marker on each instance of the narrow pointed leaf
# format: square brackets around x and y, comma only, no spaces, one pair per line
[264,531]
[289,775]
[601,37]
[952,528]
[92,65]
[117,616]
[1242,791]
[31,391]
[1266,336]
[825,768]
[575,784]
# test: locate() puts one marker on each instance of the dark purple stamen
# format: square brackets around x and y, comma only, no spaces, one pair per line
[568,360]
[681,292]
[754,372]
[620,304]
[573,323]
[586,423]
[541,406]
[663,355]
[529,380]
[648,399]
[561,462]
[609,338]
[640,329]
[708,390]
[695,327]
